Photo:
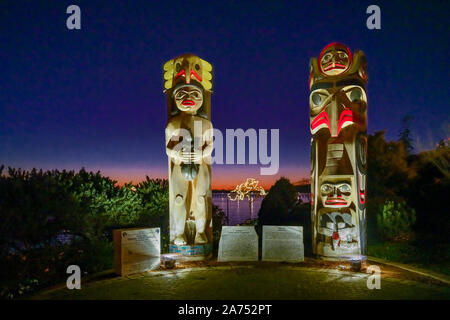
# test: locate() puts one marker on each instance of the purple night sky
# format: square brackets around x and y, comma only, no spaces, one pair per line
[94,97]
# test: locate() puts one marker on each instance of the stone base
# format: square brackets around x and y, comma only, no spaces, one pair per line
[356,257]
[194,252]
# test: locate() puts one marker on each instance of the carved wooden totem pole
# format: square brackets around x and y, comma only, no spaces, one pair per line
[338,123]
[189,137]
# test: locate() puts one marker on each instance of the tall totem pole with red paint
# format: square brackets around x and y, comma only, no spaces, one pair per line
[338,123]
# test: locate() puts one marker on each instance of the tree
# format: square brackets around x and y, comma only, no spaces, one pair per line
[405,133]
[428,194]
[388,176]
[279,203]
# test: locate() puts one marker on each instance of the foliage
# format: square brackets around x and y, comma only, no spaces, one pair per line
[218,219]
[282,207]
[421,181]
[388,177]
[429,256]
[278,205]
[388,171]
[51,219]
[428,193]
[395,219]
[405,133]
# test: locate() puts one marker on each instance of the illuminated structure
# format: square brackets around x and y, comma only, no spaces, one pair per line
[338,123]
[189,137]
[249,189]
[246,189]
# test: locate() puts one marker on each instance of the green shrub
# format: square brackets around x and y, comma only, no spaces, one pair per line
[395,219]
[37,207]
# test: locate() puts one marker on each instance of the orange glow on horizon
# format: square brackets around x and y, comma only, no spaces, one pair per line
[223,177]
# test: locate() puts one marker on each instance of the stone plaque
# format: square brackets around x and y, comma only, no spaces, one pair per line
[282,243]
[238,244]
[136,250]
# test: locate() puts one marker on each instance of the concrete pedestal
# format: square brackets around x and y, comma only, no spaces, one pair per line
[193,252]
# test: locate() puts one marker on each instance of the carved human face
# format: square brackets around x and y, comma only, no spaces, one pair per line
[188,98]
[336,195]
[334,61]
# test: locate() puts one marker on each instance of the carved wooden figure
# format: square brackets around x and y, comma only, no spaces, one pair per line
[338,123]
[189,137]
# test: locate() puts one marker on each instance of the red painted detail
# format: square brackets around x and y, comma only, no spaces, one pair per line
[188,103]
[196,75]
[335,236]
[336,66]
[182,73]
[349,116]
[346,116]
[362,193]
[335,202]
[362,196]
[320,119]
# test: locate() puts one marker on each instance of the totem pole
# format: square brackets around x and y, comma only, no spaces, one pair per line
[338,123]
[189,144]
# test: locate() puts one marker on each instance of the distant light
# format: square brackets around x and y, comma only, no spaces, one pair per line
[245,190]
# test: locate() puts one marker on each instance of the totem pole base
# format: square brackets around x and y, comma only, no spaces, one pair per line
[357,262]
[197,252]
[342,258]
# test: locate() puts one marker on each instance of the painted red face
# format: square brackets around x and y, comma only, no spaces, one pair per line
[336,195]
[335,59]
[188,98]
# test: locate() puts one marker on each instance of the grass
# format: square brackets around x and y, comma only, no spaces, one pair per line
[434,257]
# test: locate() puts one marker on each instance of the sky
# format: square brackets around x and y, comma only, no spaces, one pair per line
[94,97]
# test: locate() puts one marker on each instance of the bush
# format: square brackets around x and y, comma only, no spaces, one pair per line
[218,219]
[278,206]
[52,219]
[395,219]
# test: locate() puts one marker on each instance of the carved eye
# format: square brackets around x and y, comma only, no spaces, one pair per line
[178,67]
[197,67]
[326,188]
[326,57]
[181,94]
[196,95]
[342,55]
[345,188]
[316,99]
[355,94]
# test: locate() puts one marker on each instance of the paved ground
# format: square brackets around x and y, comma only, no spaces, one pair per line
[307,280]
